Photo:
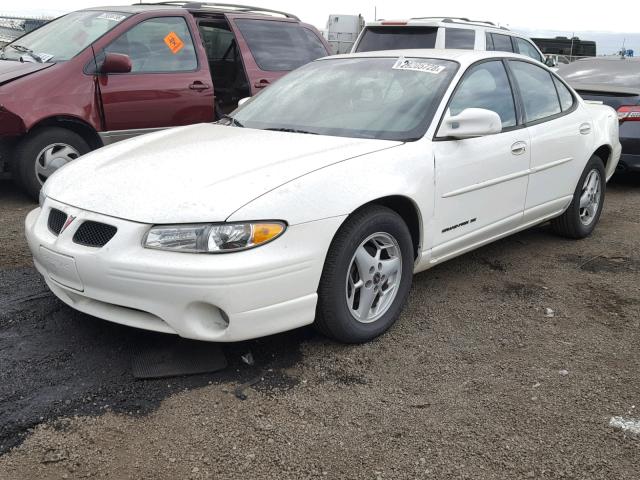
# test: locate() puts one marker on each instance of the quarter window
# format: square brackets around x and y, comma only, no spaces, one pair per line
[463,38]
[158,45]
[537,90]
[500,43]
[486,85]
[566,98]
[525,48]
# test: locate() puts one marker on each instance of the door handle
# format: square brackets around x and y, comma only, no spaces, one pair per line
[585,129]
[518,148]
[262,83]
[198,86]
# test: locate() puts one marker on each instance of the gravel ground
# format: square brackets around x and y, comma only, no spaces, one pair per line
[477,380]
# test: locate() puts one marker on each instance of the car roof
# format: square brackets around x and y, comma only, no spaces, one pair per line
[438,22]
[464,57]
[200,7]
[608,72]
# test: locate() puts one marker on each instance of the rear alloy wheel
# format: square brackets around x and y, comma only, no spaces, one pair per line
[367,276]
[581,218]
[44,151]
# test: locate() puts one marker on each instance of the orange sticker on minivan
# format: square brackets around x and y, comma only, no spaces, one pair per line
[174,42]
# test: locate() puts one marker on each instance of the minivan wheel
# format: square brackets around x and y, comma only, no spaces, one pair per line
[580,219]
[38,155]
[366,277]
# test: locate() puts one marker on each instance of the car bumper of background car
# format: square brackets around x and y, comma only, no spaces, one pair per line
[222,298]
[629,163]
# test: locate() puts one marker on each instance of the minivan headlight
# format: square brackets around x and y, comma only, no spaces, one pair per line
[212,238]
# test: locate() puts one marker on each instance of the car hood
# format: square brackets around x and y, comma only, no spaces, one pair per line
[200,173]
[11,70]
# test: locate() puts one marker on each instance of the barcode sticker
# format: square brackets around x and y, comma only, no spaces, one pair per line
[418,66]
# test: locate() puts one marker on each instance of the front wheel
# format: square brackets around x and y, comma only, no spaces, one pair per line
[580,219]
[367,276]
[42,152]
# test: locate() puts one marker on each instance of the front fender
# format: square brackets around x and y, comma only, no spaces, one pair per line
[339,189]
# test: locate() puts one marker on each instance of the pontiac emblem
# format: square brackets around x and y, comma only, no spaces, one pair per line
[69,221]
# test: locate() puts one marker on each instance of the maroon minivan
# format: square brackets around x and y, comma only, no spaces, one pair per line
[100,75]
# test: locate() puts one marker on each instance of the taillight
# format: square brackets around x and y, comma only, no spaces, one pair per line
[629,113]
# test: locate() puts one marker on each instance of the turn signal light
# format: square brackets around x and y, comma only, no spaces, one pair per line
[629,113]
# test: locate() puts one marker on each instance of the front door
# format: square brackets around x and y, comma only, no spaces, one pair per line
[481,183]
[167,85]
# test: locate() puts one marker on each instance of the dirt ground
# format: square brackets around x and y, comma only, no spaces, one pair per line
[475,380]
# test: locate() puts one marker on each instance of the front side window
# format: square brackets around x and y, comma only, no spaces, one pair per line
[379,98]
[462,38]
[486,85]
[280,46]
[397,38]
[160,44]
[566,99]
[537,90]
[63,38]
[525,48]
[500,43]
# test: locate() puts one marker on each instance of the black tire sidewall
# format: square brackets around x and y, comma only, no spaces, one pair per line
[574,210]
[332,303]
[27,150]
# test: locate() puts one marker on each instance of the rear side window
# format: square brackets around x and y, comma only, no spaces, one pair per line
[217,41]
[525,48]
[463,38]
[158,45]
[397,38]
[280,46]
[537,90]
[566,99]
[498,42]
[486,85]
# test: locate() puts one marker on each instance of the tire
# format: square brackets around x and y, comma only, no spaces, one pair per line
[579,222]
[339,299]
[62,146]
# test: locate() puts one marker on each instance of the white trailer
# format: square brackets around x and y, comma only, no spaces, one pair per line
[342,31]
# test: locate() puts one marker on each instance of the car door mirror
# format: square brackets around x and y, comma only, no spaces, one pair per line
[471,122]
[116,63]
[551,62]
[244,100]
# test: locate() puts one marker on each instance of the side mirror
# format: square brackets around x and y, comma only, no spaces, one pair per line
[244,100]
[115,63]
[471,122]
[551,62]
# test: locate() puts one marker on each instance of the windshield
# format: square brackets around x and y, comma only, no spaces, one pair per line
[397,38]
[63,38]
[383,98]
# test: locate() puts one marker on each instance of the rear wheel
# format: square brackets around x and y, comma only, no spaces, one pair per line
[367,276]
[42,152]
[582,216]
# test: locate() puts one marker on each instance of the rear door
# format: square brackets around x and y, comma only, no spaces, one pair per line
[169,84]
[561,138]
[272,47]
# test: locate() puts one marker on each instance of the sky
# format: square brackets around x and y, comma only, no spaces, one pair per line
[610,25]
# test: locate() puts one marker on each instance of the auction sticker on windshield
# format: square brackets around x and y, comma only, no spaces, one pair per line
[174,42]
[114,17]
[418,66]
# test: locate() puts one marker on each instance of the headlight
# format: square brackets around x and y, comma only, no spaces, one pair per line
[212,238]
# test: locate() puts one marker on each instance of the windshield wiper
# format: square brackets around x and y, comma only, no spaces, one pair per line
[291,130]
[232,121]
[28,51]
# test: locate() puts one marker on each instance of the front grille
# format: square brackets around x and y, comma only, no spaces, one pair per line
[56,221]
[94,234]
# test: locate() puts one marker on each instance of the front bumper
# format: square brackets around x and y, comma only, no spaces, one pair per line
[222,298]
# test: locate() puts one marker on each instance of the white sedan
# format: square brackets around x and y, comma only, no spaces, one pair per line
[317,200]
